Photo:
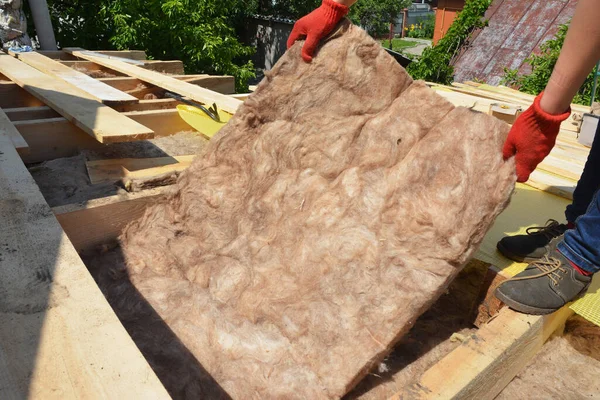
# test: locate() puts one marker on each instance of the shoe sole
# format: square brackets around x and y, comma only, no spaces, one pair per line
[523,308]
[506,253]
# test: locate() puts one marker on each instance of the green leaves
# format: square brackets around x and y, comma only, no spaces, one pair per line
[375,16]
[434,64]
[542,66]
[198,32]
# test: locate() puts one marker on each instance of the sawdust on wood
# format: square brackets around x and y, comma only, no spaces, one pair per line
[566,368]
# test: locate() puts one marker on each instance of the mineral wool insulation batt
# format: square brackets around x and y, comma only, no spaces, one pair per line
[315,228]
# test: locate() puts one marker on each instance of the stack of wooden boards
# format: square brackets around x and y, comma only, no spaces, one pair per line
[97,107]
[560,171]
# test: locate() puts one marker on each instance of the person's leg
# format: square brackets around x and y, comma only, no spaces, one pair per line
[563,274]
[533,245]
[588,184]
[581,245]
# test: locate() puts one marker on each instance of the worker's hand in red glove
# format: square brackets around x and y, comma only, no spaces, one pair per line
[316,25]
[532,137]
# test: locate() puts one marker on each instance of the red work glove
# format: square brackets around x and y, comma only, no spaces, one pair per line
[316,25]
[532,137]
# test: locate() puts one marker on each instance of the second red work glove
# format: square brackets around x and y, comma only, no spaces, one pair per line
[532,137]
[316,25]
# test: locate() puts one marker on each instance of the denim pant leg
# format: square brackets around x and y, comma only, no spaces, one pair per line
[588,184]
[582,244]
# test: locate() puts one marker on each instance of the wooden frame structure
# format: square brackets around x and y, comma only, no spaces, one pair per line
[81,349]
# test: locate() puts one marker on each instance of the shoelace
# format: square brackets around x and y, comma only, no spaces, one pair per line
[551,230]
[549,266]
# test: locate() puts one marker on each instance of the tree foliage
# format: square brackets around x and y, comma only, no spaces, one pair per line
[435,62]
[199,32]
[285,8]
[374,16]
[542,66]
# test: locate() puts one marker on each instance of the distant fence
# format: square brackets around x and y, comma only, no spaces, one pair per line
[414,14]
[268,35]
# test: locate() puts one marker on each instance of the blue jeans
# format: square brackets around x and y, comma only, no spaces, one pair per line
[582,244]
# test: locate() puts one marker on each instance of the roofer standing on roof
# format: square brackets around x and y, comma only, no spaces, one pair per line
[565,256]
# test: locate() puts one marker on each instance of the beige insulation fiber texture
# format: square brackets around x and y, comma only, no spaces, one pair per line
[334,208]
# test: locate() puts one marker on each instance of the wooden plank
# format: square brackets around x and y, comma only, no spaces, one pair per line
[131,54]
[115,169]
[93,117]
[565,169]
[101,221]
[98,90]
[7,129]
[488,360]
[59,337]
[550,183]
[53,138]
[182,88]
[506,91]
[172,67]
[509,100]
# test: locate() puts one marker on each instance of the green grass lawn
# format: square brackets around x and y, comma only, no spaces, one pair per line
[397,44]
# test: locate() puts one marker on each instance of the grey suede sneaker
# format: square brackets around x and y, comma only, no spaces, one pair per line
[545,286]
[533,245]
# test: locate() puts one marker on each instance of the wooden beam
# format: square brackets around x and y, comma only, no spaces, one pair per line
[98,90]
[168,67]
[182,88]
[30,113]
[101,221]
[59,337]
[7,129]
[113,170]
[488,360]
[88,66]
[125,83]
[147,105]
[93,117]
[54,138]
[57,55]
[12,95]
[45,112]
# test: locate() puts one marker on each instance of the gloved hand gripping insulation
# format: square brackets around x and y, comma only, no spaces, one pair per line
[316,25]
